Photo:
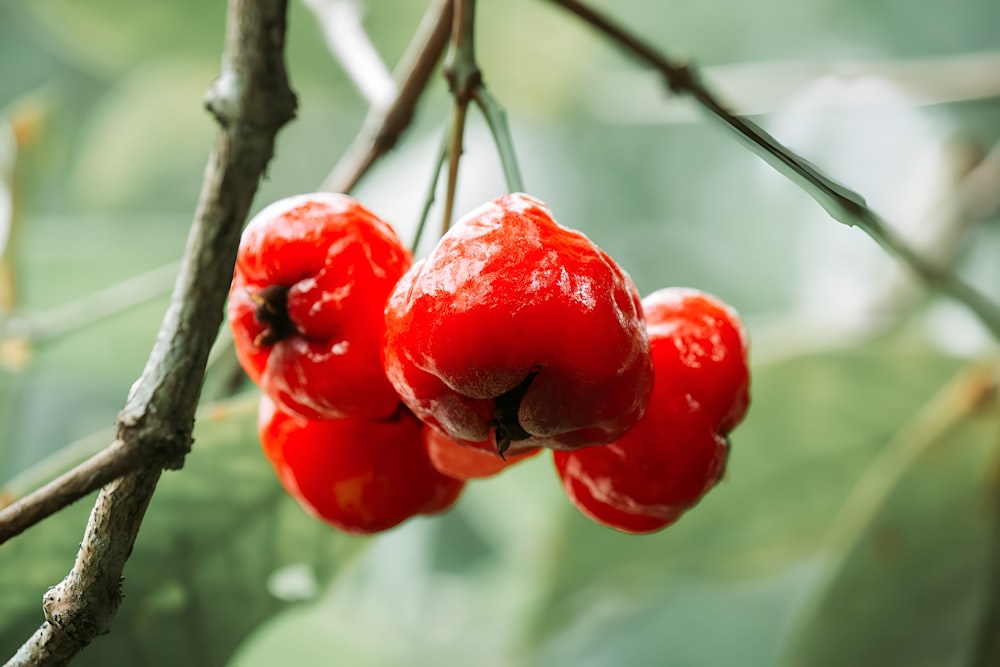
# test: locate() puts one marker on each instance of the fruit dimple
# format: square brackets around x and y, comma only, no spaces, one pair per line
[333,263]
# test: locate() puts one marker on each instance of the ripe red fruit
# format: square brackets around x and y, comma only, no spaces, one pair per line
[710,356]
[518,330]
[651,475]
[597,509]
[306,305]
[359,476]
[467,461]
[677,452]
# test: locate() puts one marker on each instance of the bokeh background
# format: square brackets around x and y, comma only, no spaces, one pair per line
[856,523]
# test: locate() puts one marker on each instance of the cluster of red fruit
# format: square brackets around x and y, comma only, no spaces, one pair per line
[387,386]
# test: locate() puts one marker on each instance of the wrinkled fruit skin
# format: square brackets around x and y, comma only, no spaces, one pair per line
[517,331]
[465,462]
[677,452]
[306,305]
[359,476]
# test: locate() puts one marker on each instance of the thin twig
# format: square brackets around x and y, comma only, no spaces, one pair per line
[454,157]
[251,101]
[496,119]
[431,191]
[762,87]
[385,124]
[73,316]
[465,80]
[106,465]
[840,202]
[340,21]
[463,75]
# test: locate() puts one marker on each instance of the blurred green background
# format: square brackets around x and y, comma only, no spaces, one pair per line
[856,524]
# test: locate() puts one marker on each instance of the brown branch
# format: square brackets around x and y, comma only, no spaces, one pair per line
[385,124]
[381,129]
[251,100]
[464,76]
[106,465]
[840,202]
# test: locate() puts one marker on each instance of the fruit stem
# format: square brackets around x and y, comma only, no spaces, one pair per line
[463,75]
[460,67]
[465,80]
[454,155]
[272,312]
[496,118]
[431,192]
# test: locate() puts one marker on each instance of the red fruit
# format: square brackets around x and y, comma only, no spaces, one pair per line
[306,305]
[651,475]
[518,330]
[359,476]
[677,452]
[709,359]
[467,461]
[605,513]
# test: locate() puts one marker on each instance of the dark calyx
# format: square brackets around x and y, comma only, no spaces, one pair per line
[506,427]
[272,312]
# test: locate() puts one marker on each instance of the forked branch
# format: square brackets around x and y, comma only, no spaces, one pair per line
[251,100]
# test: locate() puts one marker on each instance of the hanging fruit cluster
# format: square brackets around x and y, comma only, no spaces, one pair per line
[388,385]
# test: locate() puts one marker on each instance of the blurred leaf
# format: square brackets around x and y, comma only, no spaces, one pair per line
[515,576]
[913,542]
[129,156]
[452,590]
[690,622]
[815,423]
[109,36]
[222,548]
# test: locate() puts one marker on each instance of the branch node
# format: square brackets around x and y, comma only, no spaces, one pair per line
[680,78]
[222,99]
[463,81]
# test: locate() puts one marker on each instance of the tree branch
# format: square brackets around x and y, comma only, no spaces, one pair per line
[384,124]
[380,131]
[106,465]
[251,100]
[841,203]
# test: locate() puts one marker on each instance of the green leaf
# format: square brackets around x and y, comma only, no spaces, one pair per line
[517,576]
[910,548]
[221,549]
[693,622]
[815,423]
[452,590]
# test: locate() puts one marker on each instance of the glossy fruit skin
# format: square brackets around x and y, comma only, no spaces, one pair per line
[677,452]
[654,473]
[325,265]
[516,326]
[465,461]
[359,476]
[711,346]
